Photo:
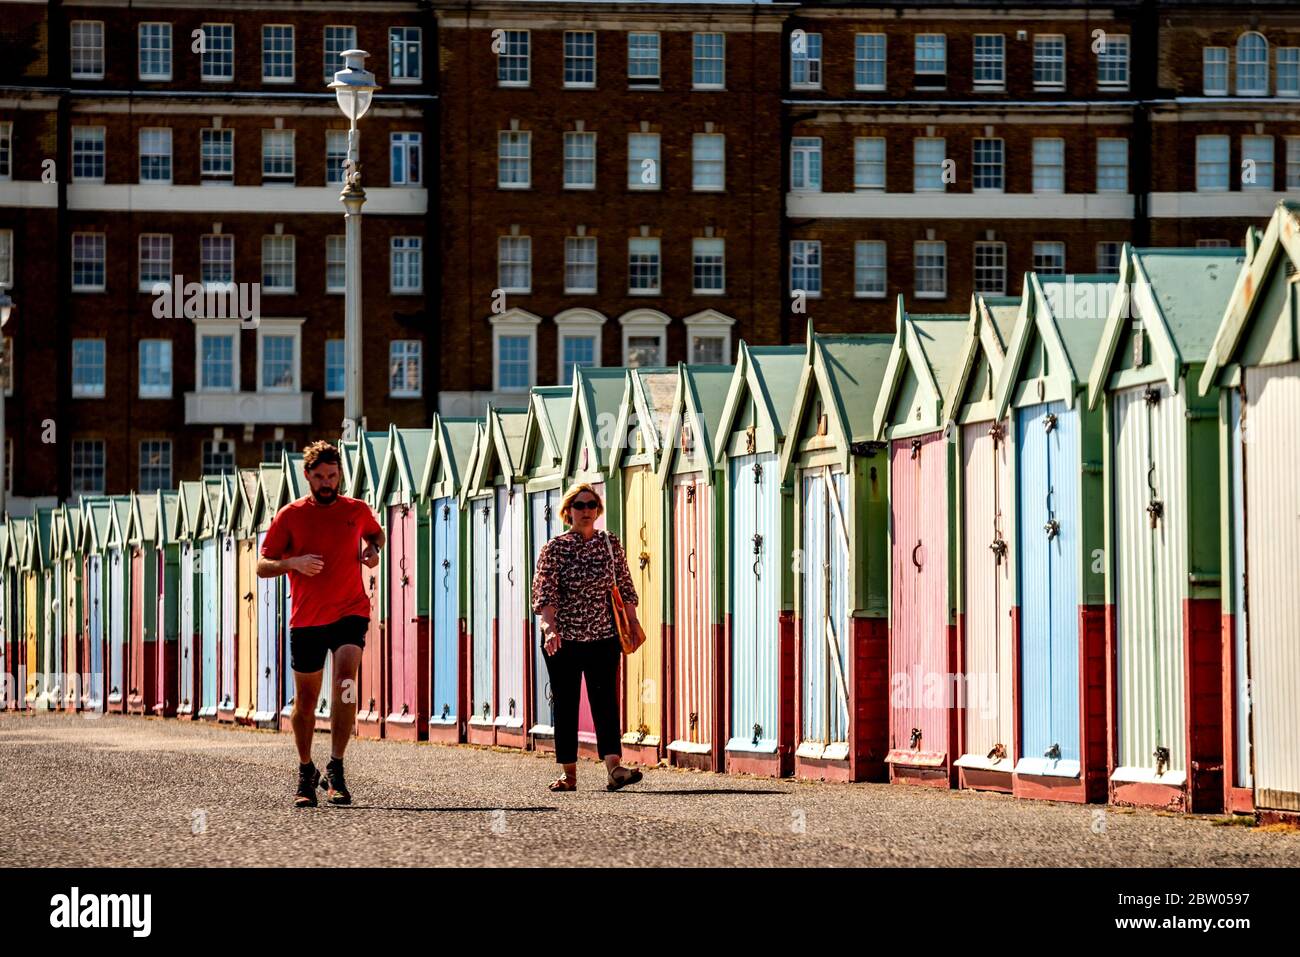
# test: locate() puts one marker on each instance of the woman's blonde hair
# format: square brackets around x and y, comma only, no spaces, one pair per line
[566,511]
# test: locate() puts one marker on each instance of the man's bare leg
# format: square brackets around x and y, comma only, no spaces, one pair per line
[306,689]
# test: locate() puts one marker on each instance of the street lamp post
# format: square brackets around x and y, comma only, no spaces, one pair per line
[6,310]
[354,86]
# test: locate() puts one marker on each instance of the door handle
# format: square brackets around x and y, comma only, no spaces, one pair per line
[916,548]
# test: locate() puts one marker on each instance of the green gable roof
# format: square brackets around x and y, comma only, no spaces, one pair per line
[770,376]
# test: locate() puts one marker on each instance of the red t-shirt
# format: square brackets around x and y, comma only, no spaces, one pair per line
[334,533]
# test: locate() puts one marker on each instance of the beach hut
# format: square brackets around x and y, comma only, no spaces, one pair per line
[691,486]
[210,543]
[641,440]
[230,631]
[95,528]
[758,600]
[244,519]
[984,582]
[189,598]
[32,601]
[1059,521]
[141,537]
[541,458]
[407,702]
[8,659]
[1161,453]
[272,637]
[57,669]
[840,480]
[44,647]
[372,680]
[927,692]
[74,607]
[164,551]
[589,441]
[442,478]
[293,486]
[1254,362]
[119,604]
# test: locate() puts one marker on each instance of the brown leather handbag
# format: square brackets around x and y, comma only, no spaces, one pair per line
[630,634]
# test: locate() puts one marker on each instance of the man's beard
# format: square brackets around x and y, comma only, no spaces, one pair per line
[324,496]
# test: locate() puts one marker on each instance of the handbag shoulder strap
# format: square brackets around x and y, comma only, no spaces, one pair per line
[613,572]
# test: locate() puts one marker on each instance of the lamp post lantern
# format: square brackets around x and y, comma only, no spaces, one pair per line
[354,87]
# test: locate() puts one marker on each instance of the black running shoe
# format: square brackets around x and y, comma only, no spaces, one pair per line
[336,789]
[308,780]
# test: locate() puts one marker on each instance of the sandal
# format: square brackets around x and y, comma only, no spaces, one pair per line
[562,784]
[631,776]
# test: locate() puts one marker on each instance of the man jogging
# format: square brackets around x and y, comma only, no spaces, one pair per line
[318,541]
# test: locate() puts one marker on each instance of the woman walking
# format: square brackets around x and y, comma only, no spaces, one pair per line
[571,595]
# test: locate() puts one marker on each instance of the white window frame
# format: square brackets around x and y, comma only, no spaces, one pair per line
[860,293]
[811,61]
[860,47]
[918,164]
[659,266]
[209,451]
[916,269]
[1290,58]
[95,52]
[514,323]
[418,352]
[645,323]
[806,246]
[505,160]
[645,82]
[506,56]
[406,141]
[274,178]
[170,154]
[1203,142]
[861,163]
[148,285]
[1106,245]
[85,445]
[330,66]
[577,323]
[405,78]
[1041,250]
[1049,84]
[292,244]
[6,258]
[1099,166]
[1220,59]
[219,135]
[987,60]
[407,247]
[334,170]
[287,328]
[576,137]
[710,324]
[524,242]
[1292,162]
[930,71]
[155,392]
[326,391]
[6,151]
[89,392]
[293,53]
[212,241]
[988,245]
[140,50]
[1035,165]
[696,59]
[697,162]
[1106,57]
[1244,64]
[976,165]
[165,482]
[203,329]
[1268,161]
[101,240]
[213,56]
[580,290]
[697,290]
[578,60]
[636,161]
[806,164]
[87,135]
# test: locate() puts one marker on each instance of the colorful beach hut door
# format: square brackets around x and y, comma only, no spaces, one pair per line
[1149,430]
[95,633]
[512,620]
[444,705]
[483,550]
[545,512]
[695,662]
[1273,544]
[988,561]
[1048,444]
[248,625]
[211,626]
[918,648]
[826,633]
[186,637]
[1240,687]
[268,643]
[118,602]
[755,602]
[229,597]
[286,663]
[644,517]
[404,664]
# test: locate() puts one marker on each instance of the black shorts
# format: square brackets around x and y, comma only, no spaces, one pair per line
[307,646]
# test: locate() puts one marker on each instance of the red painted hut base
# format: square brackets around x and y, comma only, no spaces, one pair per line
[938,777]
[694,760]
[481,734]
[759,765]
[545,744]
[444,733]
[512,738]
[226,715]
[1271,816]
[646,755]
[978,779]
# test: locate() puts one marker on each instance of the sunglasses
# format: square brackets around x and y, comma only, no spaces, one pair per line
[584,505]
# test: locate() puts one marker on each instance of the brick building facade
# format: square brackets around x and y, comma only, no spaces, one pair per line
[554,182]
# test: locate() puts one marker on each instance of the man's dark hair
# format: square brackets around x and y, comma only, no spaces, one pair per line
[320,453]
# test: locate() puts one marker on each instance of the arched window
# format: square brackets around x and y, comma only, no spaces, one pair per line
[1252,65]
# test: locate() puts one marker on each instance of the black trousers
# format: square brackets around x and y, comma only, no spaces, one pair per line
[598,661]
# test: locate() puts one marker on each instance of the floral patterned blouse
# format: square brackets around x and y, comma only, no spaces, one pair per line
[574,576]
